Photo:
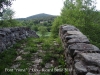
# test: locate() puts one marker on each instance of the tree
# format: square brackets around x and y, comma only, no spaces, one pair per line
[8,14]
[3,4]
[34,27]
[75,12]
[55,27]
[83,15]
[42,30]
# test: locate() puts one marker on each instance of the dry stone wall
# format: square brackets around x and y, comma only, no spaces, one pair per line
[9,36]
[82,58]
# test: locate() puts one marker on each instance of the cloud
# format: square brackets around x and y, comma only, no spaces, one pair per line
[24,8]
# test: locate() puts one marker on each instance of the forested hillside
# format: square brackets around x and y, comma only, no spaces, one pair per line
[41,16]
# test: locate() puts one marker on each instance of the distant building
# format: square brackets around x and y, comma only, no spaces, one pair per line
[41,22]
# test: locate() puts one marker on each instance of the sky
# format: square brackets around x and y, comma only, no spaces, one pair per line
[25,8]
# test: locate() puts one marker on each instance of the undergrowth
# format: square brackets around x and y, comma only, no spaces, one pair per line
[53,48]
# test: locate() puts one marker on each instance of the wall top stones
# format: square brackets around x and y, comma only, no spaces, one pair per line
[83,58]
[9,36]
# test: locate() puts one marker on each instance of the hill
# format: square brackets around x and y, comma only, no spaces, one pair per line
[38,16]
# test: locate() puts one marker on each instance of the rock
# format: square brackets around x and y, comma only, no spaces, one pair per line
[38,45]
[78,40]
[74,32]
[91,74]
[9,36]
[81,46]
[25,52]
[93,69]
[18,58]
[18,50]
[22,46]
[75,36]
[15,66]
[29,64]
[48,65]
[35,66]
[52,61]
[21,51]
[80,68]
[56,44]
[2,33]
[37,61]
[69,28]
[40,51]
[91,58]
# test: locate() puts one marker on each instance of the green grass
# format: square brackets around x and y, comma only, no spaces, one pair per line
[8,56]
[6,59]
[47,34]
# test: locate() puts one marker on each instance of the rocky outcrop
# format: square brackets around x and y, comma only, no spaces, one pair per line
[82,58]
[9,36]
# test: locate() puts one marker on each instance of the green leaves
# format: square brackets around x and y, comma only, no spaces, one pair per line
[4,3]
[83,15]
[42,30]
[8,14]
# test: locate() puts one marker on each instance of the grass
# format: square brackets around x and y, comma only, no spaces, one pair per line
[7,57]
[30,45]
[46,35]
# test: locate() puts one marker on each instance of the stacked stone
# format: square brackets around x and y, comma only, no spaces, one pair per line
[9,36]
[82,58]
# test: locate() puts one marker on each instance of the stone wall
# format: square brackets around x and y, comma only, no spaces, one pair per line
[82,58]
[9,36]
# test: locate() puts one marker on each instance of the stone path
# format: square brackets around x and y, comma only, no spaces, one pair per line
[37,62]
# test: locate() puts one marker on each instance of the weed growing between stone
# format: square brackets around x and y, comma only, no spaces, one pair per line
[34,56]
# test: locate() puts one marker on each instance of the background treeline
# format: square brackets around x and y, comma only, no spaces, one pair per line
[38,20]
[6,18]
[83,15]
[32,21]
[41,23]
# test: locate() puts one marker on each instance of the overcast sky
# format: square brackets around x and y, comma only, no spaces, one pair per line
[25,8]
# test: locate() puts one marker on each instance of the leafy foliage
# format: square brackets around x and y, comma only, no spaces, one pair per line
[83,15]
[9,23]
[7,19]
[42,30]
[4,3]
[55,27]
[8,14]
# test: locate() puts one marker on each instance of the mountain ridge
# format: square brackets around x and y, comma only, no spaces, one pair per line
[37,16]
